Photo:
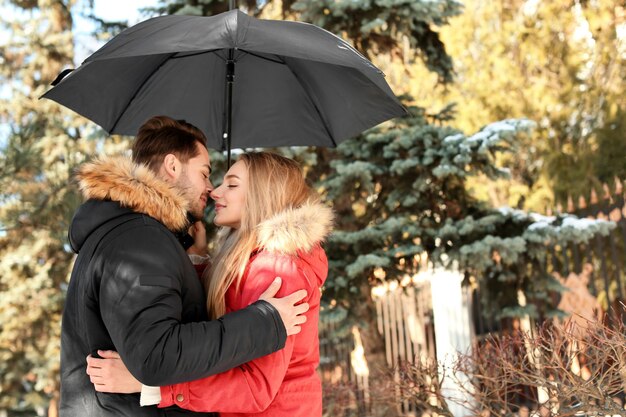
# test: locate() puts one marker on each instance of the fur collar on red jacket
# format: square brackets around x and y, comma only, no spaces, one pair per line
[296,229]
[135,187]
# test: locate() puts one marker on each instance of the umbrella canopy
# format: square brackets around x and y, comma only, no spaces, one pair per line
[292,83]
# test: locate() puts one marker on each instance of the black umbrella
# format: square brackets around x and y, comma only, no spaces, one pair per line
[278,83]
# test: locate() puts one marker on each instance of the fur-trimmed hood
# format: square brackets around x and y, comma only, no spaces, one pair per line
[135,187]
[297,229]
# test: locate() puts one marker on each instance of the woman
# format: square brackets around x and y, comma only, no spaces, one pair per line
[272,225]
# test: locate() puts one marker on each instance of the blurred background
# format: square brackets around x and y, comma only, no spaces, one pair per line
[499,193]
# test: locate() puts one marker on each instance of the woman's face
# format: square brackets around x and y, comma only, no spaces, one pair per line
[230,197]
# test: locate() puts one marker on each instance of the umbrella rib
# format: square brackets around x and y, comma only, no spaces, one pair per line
[319,113]
[212,51]
[170,56]
[138,90]
[279,60]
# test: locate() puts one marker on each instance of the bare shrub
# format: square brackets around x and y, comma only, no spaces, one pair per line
[569,368]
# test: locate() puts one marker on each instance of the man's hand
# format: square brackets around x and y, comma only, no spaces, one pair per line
[198,232]
[109,374]
[291,314]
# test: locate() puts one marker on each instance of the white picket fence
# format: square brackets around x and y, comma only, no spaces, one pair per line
[423,317]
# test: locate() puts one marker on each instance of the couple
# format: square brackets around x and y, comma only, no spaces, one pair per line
[135,291]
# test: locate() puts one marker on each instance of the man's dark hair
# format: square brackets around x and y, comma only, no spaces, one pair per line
[162,135]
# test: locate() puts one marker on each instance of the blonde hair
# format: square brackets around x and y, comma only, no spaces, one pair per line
[275,183]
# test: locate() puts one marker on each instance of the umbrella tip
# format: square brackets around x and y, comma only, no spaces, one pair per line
[61,75]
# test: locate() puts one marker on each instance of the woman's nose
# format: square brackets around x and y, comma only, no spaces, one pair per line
[214,193]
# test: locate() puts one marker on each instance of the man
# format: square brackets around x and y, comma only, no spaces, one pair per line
[133,288]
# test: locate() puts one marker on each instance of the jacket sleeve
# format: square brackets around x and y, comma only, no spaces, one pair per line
[140,296]
[249,388]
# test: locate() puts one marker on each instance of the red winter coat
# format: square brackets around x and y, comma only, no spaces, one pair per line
[284,383]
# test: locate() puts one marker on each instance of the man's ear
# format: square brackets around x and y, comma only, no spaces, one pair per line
[171,167]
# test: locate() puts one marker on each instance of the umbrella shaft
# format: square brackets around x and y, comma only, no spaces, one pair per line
[230,79]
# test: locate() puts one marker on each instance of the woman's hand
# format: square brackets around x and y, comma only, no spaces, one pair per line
[110,374]
[198,232]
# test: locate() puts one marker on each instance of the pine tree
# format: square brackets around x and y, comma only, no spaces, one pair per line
[40,145]
[401,194]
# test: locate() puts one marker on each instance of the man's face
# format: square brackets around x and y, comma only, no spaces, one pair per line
[195,182]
